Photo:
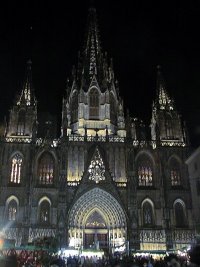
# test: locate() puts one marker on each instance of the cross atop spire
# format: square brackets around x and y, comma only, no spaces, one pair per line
[27,96]
[164,101]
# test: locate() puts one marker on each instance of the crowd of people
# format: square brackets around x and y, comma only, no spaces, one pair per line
[44,259]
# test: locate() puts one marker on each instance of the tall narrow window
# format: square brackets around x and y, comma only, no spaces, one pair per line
[16,168]
[169,127]
[175,173]
[74,107]
[46,169]
[147,214]
[94,104]
[113,113]
[44,215]
[12,210]
[180,217]
[21,123]
[145,172]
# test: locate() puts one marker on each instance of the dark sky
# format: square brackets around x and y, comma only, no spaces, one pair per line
[138,35]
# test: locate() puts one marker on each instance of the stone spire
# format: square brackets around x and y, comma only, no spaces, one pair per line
[163,99]
[166,125]
[92,62]
[23,114]
[27,97]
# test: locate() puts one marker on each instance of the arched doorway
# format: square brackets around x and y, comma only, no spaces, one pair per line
[97,220]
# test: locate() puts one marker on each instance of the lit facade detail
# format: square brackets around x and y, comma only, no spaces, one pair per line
[107,179]
[145,173]
[46,169]
[96,169]
[16,169]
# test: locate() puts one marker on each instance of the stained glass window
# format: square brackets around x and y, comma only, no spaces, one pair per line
[46,169]
[44,212]
[16,168]
[94,104]
[145,173]
[97,169]
[175,175]
[12,210]
[147,214]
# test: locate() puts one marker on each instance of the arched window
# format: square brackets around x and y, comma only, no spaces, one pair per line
[44,212]
[145,172]
[46,169]
[175,173]
[74,107]
[16,169]
[12,210]
[180,217]
[21,122]
[148,218]
[94,104]
[113,113]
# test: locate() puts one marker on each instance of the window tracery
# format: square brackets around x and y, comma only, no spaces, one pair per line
[46,169]
[96,169]
[16,168]
[145,173]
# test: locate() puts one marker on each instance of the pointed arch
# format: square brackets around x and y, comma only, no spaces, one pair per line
[175,171]
[46,169]
[44,210]
[74,107]
[148,214]
[94,103]
[16,162]
[95,219]
[145,170]
[180,213]
[21,122]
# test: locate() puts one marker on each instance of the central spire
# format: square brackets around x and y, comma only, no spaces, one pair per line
[92,63]
[92,47]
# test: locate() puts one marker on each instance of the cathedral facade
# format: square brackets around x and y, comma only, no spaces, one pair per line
[104,182]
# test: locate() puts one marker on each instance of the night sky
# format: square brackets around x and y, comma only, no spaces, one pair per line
[138,35]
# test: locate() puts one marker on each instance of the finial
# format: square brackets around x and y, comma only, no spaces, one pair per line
[158,67]
[29,64]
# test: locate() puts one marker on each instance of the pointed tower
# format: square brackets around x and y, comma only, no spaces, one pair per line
[23,115]
[166,122]
[92,100]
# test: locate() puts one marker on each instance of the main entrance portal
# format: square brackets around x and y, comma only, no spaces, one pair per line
[97,220]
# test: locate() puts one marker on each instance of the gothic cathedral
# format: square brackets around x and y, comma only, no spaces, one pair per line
[104,181]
